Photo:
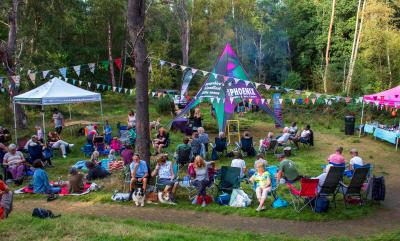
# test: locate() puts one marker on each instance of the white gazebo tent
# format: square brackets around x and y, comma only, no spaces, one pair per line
[55,92]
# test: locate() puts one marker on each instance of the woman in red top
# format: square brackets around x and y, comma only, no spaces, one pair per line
[3,190]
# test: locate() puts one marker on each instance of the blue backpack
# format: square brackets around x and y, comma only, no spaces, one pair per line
[223,199]
[280,203]
[321,205]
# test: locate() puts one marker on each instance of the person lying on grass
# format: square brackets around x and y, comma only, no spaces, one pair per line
[41,183]
[139,174]
[165,172]
[263,185]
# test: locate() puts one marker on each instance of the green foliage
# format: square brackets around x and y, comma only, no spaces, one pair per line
[293,81]
[163,105]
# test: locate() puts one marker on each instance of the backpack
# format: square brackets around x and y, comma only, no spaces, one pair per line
[280,203]
[7,203]
[223,199]
[321,205]
[43,213]
[376,188]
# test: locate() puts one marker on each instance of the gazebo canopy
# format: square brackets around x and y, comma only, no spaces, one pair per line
[56,92]
[389,97]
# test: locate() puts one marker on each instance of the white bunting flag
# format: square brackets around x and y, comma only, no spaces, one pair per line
[114,88]
[215,75]
[247,82]
[212,99]
[120,89]
[92,67]
[183,68]
[204,73]
[63,71]
[236,80]
[173,65]
[257,85]
[194,71]
[298,92]
[313,100]
[326,101]
[267,87]
[268,101]
[162,62]
[89,84]
[262,100]
[277,87]
[126,90]
[330,102]
[131,91]
[32,76]
[293,101]
[77,69]
[80,82]
[317,95]
[45,73]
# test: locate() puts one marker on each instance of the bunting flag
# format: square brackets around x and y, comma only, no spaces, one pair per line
[73,81]
[131,91]
[225,78]
[257,85]
[32,77]
[307,100]
[162,62]
[262,101]
[267,87]
[204,72]
[119,90]
[313,100]
[63,72]
[293,101]
[1,82]
[247,82]
[89,84]
[80,82]
[269,101]
[77,69]
[173,65]
[126,90]
[298,92]
[215,75]
[45,73]
[194,71]
[114,88]
[236,80]
[105,64]
[231,99]
[277,87]
[183,67]
[97,86]
[280,101]
[118,63]
[92,67]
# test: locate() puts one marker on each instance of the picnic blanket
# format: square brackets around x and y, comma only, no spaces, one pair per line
[88,187]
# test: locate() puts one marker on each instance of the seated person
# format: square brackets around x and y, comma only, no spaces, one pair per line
[221,142]
[111,156]
[127,155]
[115,144]
[165,172]
[95,157]
[337,159]
[259,159]
[95,171]
[161,140]
[4,190]
[197,118]
[3,151]
[203,137]
[246,143]
[355,159]
[306,136]
[287,170]
[183,152]
[139,174]
[34,148]
[15,163]
[55,142]
[196,144]
[322,177]
[75,181]
[201,178]
[293,129]
[284,138]
[265,143]
[263,185]
[239,162]
[41,183]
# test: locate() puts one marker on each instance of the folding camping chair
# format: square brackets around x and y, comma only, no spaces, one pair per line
[187,182]
[87,150]
[355,186]
[331,184]
[272,170]
[161,187]
[229,179]
[183,156]
[349,173]
[305,196]
[246,146]
[271,148]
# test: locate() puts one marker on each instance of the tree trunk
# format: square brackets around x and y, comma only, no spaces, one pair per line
[354,40]
[351,67]
[8,60]
[328,46]
[184,20]
[110,58]
[136,16]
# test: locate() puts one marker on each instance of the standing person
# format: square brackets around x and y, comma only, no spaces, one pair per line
[337,159]
[201,180]
[197,119]
[355,159]
[203,137]
[58,120]
[263,185]
[131,120]
[240,108]
[239,163]
[139,174]
[15,162]
[39,133]
[55,142]
[107,133]
[287,170]
[41,183]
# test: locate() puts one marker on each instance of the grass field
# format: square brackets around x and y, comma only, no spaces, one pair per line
[309,161]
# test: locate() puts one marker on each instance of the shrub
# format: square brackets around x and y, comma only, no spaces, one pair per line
[163,105]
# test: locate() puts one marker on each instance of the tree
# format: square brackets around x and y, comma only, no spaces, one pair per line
[136,27]
[8,59]
[328,45]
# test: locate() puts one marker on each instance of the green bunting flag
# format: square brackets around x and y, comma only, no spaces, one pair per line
[105,64]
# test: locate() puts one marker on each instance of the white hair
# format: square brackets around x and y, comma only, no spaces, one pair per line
[12,147]
[221,134]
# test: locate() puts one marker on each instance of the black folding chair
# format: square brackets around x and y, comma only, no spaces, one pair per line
[229,179]
[331,184]
[355,186]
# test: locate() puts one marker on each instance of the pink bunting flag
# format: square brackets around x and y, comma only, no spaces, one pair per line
[313,100]
[267,87]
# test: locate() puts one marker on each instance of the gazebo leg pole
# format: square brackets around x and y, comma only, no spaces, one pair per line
[362,116]
[44,126]
[102,115]
[15,124]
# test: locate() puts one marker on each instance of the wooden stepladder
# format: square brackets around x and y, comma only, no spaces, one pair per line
[233,130]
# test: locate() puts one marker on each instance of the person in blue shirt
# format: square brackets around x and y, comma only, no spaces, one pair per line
[139,173]
[108,133]
[41,183]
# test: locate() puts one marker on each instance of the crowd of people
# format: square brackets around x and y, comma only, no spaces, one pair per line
[193,151]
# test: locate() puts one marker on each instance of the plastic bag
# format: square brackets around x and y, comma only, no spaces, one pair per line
[239,199]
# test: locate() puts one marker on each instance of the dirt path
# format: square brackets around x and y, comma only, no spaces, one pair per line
[382,221]
[384,158]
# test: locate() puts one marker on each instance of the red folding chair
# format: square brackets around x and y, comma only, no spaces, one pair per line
[306,195]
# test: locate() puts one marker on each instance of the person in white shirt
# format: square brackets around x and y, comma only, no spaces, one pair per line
[322,177]
[293,129]
[285,136]
[239,162]
[355,159]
